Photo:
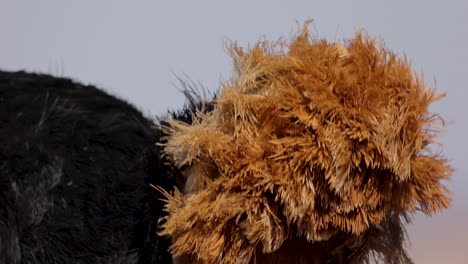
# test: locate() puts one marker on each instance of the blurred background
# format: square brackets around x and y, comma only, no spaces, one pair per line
[136,49]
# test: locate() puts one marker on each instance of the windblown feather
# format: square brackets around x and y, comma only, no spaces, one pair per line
[314,152]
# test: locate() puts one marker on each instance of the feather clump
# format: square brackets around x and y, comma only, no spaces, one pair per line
[314,144]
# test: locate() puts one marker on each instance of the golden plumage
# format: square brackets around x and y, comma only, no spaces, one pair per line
[313,152]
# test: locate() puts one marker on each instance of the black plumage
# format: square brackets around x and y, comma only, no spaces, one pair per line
[76,166]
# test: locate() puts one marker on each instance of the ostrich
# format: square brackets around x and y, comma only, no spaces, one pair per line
[313,152]
[75,177]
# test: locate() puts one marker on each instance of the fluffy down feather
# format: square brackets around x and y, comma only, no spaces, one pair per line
[314,153]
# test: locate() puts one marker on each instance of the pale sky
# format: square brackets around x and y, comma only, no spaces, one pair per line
[134,49]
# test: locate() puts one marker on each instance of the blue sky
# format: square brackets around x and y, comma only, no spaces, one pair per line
[133,49]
